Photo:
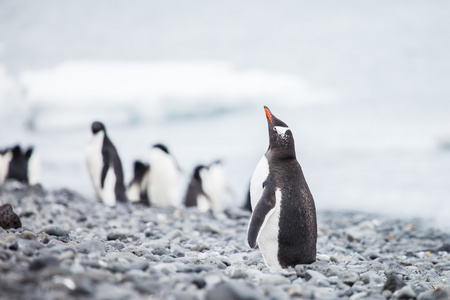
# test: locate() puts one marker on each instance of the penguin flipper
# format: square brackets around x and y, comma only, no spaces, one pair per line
[106,158]
[263,210]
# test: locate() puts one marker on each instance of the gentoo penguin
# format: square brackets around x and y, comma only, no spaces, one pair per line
[195,195]
[164,181]
[105,167]
[137,189]
[283,223]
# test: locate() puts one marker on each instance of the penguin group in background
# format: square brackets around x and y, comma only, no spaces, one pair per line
[164,180]
[105,167]
[137,189]
[283,222]
[207,188]
[19,165]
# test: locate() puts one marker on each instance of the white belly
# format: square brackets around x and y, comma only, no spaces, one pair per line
[164,180]
[259,176]
[108,193]
[134,192]
[94,161]
[34,168]
[4,165]
[268,236]
[203,204]
[214,185]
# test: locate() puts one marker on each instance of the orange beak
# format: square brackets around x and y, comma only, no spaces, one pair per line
[268,114]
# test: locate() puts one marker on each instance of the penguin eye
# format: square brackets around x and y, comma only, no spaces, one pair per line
[274,129]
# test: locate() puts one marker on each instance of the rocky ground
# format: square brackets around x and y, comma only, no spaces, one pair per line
[70,247]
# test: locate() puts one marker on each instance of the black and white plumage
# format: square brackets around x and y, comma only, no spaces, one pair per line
[283,222]
[207,188]
[164,188]
[137,189]
[105,167]
[19,165]
[195,195]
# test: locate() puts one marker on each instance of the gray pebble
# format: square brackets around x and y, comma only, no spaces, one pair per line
[43,262]
[55,230]
[27,235]
[91,246]
[350,278]
[405,292]
[393,283]
[232,290]
[116,236]
[117,245]
[314,276]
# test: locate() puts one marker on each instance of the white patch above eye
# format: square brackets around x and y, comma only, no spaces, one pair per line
[281,130]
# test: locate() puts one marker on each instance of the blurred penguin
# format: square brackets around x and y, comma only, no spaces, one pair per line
[105,167]
[137,189]
[195,195]
[164,181]
[214,185]
[207,188]
[19,165]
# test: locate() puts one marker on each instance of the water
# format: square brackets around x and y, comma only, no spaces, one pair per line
[363,85]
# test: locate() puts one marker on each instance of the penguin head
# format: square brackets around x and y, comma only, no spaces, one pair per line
[16,151]
[280,136]
[198,169]
[161,147]
[140,169]
[97,126]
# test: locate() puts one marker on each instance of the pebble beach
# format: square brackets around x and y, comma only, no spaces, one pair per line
[71,247]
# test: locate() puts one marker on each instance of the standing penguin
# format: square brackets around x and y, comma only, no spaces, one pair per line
[137,189]
[283,222]
[19,165]
[164,180]
[195,195]
[105,167]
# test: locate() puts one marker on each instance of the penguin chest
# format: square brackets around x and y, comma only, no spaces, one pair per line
[259,177]
[108,190]
[94,159]
[268,240]
[164,181]
[213,184]
[203,203]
